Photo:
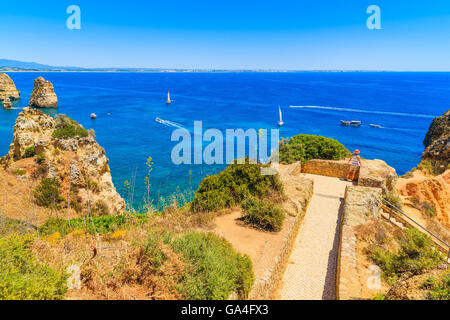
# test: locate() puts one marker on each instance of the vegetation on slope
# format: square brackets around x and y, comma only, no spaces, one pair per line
[416,254]
[23,277]
[233,185]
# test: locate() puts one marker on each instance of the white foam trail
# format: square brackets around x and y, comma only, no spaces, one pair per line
[400,114]
[171,124]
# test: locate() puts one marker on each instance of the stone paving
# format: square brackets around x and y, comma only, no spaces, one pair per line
[311,271]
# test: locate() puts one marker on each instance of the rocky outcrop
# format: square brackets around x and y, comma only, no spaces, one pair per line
[6,103]
[433,189]
[77,161]
[374,173]
[377,174]
[8,89]
[43,95]
[360,204]
[437,144]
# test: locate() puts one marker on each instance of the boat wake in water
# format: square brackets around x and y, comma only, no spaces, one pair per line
[169,123]
[417,115]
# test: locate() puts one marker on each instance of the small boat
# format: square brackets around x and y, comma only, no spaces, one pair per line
[353,123]
[375,125]
[93,116]
[168,98]
[159,120]
[280,123]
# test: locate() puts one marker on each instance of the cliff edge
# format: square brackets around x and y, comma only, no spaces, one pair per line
[62,150]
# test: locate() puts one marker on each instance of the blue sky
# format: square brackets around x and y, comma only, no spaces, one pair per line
[230,34]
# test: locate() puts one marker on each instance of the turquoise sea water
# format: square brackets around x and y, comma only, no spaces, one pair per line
[403,103]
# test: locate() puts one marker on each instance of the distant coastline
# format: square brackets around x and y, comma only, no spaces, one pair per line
[7,65]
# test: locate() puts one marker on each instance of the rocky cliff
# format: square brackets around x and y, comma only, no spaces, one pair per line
[43,95]
[8,88]
[64,150]
[431,183]
[437,144]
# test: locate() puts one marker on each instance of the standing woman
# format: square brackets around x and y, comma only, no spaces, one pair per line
[355,164]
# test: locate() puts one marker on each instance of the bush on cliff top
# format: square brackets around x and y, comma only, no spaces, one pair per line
[233,185]
[304,147]
[23,277]
[263,214]
[67,128]
[213,270]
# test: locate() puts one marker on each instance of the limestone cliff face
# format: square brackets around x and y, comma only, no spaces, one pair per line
[77,161]
[8,88]
[425,186]
[43,95]
[437,144]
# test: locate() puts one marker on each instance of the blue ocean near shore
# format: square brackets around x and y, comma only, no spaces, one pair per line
[404,104]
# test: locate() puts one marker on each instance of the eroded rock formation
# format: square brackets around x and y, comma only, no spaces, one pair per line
[43,95]
[437,144]
[78,161]
[432,182]
[8,89]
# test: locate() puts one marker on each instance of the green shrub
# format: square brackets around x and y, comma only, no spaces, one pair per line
[425,166]
[263,214]
[29,153]
[439,288]
[23,277]
[305,147]
[47,193]
[290,152]
[67,128]
[214,270]
[100,224]
[19,172]
[233,185]
[416,254]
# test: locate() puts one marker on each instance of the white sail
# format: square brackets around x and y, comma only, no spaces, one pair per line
[281,119]
[168,97]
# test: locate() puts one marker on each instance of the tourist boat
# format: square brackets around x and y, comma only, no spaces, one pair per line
[375,125]
[352,123]
[93,116]
[280,123]
[159,120]
[168,98]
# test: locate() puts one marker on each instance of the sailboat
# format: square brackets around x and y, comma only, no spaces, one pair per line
[280,123]
[168,98]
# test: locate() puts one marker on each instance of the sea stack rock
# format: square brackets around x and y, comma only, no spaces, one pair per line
[8,88]
[77,161]
[43,95]
[6,103]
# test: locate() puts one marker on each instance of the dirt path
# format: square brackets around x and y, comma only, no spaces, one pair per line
[311,271]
